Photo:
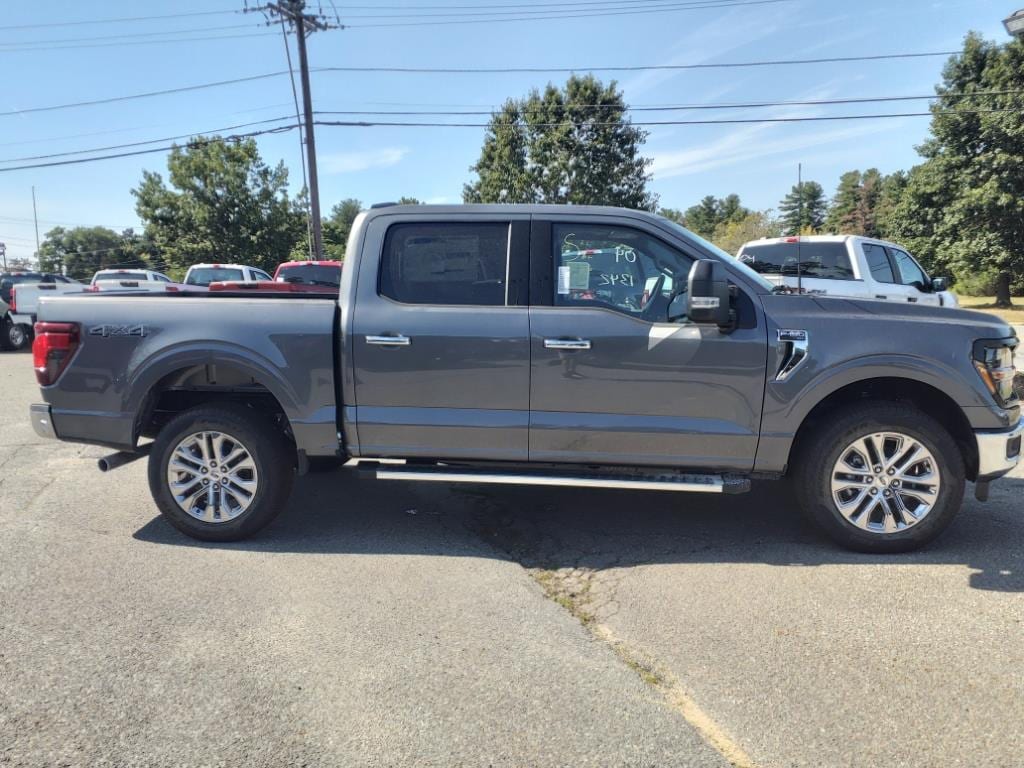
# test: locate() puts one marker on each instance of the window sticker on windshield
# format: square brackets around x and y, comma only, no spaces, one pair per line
[579,275]
[564,279]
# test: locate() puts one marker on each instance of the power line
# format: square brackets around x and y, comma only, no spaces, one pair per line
[119,20]
[678,107]
[14,48]
[577,15]
[143,143]
[145,95]
[131,35]
[651,123]
[483,70]
[634,67]
[486,6]
[193,143]
[535,10]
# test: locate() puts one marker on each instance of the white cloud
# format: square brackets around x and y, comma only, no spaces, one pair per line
[353,162]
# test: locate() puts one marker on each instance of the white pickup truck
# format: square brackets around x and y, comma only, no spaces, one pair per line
[25,300]
[129,279]
[846,265]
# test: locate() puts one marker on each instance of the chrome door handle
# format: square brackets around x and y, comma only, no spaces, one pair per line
[389,341]
[567,343]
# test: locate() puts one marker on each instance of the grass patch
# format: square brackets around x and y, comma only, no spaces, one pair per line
[571,590]
[988,304]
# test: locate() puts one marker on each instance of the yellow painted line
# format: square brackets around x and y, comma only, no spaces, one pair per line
[677,698]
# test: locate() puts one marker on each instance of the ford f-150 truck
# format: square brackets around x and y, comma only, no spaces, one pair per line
[556,346]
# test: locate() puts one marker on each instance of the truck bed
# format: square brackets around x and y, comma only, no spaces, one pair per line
[138,348]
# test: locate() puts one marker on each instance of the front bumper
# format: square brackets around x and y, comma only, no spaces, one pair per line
[42,420]
[998,452]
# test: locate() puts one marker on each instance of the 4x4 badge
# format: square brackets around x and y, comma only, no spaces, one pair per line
[107,331]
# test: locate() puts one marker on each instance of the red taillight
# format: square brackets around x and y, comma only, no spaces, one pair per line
[791,239]
[52,350]
[14,300]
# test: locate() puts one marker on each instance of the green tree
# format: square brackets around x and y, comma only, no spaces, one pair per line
[338,225]
[732,233]
[81,251]
[804,208]
[707,215]
[963,207]
[409,201]
[854,207]
[565,145]
[673,214]
[224,203]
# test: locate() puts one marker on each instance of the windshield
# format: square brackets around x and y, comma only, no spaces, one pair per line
[825,260]
[207,275]
[118,275]
[726,257]
[311,274]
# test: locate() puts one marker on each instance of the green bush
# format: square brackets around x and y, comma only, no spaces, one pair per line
[977,284]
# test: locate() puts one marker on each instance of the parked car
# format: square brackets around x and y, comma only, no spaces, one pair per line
[122,280]
[204,274]
[528,345]
[325,274]
[846,265]
[14,332]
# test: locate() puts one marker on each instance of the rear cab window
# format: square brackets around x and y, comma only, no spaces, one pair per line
[100,276]
[878,263]
[830,261]
[446,263]
[311,274]
[207,275]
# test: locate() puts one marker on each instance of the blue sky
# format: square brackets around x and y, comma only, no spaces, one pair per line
[756,161]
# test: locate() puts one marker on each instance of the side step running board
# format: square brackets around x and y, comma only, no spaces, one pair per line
[649,482]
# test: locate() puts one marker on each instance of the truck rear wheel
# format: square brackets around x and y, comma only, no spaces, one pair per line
[880,477]
[13,336]
[220,473]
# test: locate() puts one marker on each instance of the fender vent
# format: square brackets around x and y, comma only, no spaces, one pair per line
[793,347]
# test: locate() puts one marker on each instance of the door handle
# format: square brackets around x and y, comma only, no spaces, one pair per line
[567,343]
[912,299]
[395,340]
[881,296]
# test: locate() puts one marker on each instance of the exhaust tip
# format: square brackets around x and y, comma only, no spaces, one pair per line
[103,464]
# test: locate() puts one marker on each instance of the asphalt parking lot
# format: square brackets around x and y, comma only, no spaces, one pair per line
[402,624]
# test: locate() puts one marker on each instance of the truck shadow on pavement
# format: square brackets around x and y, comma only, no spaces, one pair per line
[554,528]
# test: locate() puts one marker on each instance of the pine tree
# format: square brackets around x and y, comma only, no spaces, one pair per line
[804,208]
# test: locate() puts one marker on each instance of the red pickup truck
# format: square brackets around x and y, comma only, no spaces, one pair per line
[292,277]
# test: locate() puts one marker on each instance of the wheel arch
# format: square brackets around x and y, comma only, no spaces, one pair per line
[926,397]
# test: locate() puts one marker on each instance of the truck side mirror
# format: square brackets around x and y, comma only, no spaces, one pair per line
[940,284]
[708,294]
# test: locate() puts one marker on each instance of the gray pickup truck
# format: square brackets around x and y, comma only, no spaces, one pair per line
[544,345]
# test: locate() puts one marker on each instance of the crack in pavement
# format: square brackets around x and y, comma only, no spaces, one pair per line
[589,593]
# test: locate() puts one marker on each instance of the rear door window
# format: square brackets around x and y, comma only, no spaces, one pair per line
[878,263]
[825,260]
[446,263]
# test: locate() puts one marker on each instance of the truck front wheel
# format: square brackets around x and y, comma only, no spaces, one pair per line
[220,473]
[880,477]
[14,336]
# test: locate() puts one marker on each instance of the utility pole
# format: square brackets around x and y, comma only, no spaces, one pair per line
[35,218]
[304,25]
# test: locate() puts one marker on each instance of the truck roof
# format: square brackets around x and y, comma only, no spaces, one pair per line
[821,239]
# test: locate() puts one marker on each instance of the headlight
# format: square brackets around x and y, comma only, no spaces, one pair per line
[993,358]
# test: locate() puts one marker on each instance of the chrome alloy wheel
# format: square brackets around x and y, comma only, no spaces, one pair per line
[212,476]
[885,482]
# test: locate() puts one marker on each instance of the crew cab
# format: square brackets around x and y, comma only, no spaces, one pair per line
[545,345]
[846,265]
[204,274]
[15,325]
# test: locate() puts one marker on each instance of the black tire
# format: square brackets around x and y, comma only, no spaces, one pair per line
[270,450]
[15,337]
[819,452]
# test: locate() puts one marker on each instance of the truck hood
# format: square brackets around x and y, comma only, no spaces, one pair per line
[793,308]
